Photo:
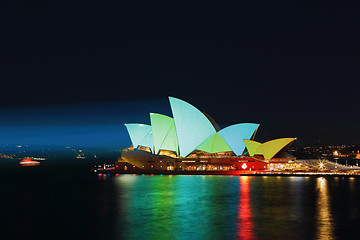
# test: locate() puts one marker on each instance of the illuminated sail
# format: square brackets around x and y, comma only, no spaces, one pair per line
[192,126]
[140,135]
[214,144]
[235,134]
[268,149]
[164,133]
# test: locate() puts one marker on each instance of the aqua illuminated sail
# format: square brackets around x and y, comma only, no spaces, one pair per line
[140,135]
[192,126]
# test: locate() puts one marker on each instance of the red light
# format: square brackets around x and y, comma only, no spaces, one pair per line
[26,160]
[245,216]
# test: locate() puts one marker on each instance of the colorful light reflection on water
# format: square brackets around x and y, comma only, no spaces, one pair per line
[86,206]
[223,207]
[245,217]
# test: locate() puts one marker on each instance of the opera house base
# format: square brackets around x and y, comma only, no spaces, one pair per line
[144,162]
[159,172]
[138,160]
[231,173]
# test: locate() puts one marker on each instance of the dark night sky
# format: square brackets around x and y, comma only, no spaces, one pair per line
[292,67]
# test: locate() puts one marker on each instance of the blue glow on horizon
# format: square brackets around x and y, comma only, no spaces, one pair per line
[95,125]
[91,135]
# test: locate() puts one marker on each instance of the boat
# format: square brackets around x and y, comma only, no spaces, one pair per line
[27,162]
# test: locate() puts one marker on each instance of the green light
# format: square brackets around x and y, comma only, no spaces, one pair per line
[214,144]
[164,133]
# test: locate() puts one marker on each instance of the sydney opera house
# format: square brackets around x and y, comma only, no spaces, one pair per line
[190,140]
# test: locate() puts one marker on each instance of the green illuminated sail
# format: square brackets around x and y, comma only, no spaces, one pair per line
[164,133]
[214,144]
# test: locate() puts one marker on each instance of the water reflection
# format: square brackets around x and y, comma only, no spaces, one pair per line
[222,207]
[178,207]
[323,216]
[149,207]
[245,216]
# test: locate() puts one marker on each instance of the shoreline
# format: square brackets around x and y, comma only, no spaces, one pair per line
[234,172]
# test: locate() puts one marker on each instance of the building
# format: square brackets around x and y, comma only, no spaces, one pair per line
[192,141]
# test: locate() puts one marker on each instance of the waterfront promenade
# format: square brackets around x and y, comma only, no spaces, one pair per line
[317,168]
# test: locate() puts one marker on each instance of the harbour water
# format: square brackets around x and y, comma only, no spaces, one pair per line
[67,202]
